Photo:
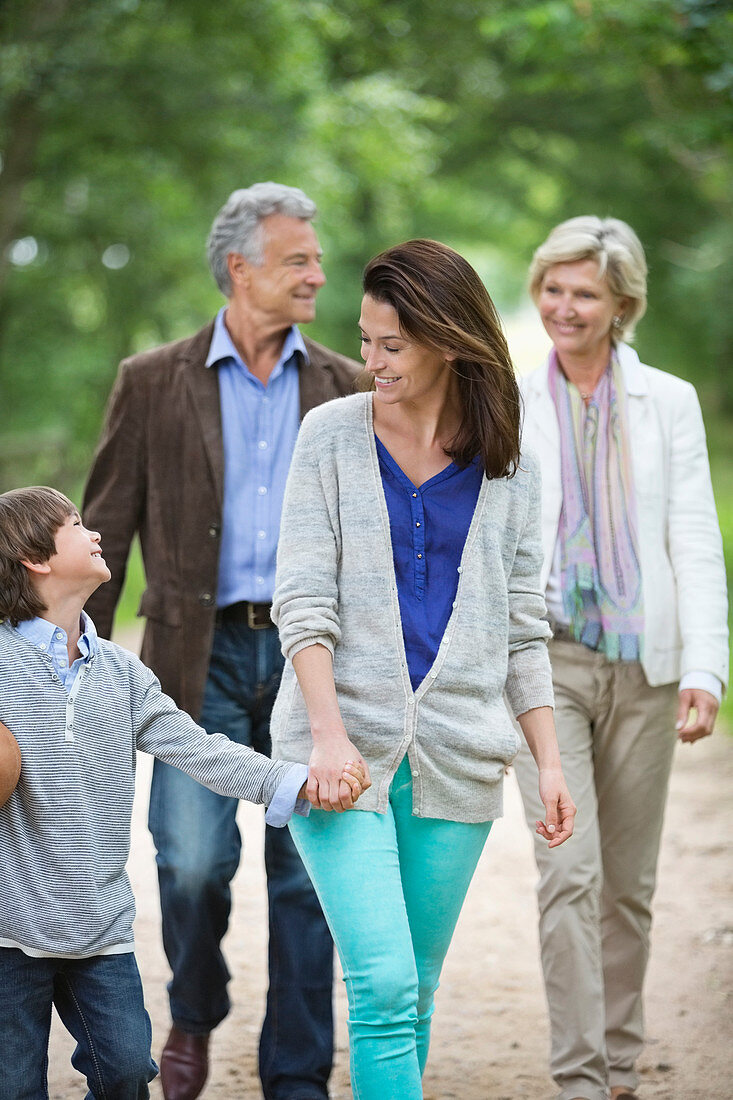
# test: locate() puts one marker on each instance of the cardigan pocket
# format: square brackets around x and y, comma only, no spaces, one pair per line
[502,740]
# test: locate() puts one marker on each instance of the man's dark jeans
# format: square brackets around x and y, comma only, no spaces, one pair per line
[199,846]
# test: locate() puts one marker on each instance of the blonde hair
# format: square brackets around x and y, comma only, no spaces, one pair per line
[619,255]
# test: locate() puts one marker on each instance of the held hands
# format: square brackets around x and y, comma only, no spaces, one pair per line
[353,774]
[559,808]
[704,705]
[338,774]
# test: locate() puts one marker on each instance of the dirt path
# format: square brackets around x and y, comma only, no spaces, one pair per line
[490,1033]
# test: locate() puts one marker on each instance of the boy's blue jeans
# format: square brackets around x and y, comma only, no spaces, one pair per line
[392,886]
[199,845]
[100,1001]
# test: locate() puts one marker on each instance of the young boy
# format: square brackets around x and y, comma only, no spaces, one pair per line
[79,707]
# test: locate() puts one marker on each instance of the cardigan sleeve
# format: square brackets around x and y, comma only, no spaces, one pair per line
[305,603]
[529,677]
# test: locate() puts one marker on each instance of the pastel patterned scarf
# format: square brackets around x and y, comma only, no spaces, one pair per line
[600,571]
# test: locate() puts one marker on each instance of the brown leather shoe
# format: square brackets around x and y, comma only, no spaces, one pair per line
[184,1065]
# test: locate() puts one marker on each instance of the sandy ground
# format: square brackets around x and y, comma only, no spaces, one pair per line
[490,1035]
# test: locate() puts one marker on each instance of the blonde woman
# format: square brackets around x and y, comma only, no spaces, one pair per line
[635,588]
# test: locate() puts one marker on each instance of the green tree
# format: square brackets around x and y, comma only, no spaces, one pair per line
[124,125]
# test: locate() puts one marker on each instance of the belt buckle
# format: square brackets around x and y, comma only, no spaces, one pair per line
[253,622]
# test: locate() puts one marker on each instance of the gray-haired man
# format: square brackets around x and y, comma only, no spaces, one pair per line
[193,456]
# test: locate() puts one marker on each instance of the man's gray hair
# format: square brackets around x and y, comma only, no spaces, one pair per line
[238,225]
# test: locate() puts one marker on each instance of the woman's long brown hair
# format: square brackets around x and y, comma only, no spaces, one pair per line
[442,304]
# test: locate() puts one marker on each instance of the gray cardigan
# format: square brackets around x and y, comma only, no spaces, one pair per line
[336,586]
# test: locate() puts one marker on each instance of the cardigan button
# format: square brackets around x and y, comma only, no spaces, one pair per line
[206,599]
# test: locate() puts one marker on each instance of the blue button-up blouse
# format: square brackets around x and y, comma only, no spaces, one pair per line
[428,526]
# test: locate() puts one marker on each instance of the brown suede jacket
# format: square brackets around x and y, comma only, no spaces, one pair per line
[159,472]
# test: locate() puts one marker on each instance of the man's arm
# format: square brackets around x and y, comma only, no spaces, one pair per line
[114,498]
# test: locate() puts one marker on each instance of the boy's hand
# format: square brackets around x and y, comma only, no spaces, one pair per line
[354,777]
[357,777]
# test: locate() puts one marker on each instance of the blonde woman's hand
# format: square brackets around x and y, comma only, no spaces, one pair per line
[696,714]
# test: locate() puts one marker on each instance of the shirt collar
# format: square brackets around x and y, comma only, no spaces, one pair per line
[39,632]
[222,347]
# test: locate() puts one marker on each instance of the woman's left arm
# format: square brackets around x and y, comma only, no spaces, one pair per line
[696,553]
[529,677]
[538,727]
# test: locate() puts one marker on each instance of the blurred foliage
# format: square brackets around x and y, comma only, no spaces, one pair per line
[124,126]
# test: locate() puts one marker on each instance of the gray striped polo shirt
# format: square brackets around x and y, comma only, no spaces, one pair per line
[65,831]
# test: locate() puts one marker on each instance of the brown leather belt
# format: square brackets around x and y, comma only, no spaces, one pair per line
[255,615]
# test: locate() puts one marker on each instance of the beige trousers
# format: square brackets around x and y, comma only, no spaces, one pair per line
[617,739]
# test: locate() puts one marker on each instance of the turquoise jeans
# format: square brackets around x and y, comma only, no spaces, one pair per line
[391,887]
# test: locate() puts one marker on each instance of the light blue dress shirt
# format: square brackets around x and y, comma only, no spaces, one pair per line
[259,427]
[53,641]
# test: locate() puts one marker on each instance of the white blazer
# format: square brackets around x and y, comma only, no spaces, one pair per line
[682,568]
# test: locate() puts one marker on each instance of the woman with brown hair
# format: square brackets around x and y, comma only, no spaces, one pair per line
[408,602]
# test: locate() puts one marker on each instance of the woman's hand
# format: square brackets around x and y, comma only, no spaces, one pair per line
[559,808]
[538,727]
[338,773]
[336,767]
[696,714]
